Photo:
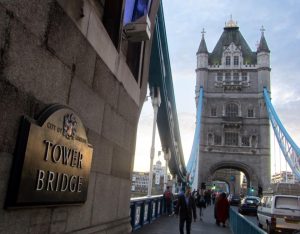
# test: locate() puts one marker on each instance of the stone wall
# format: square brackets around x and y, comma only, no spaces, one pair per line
[48,56]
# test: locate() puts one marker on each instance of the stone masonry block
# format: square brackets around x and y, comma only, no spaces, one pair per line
[85,63]
[121,163]
[4,21]
[130,137]
[102,153]
[71,47]
[107,199]
[124,198]
[13,104]
[14,221]
[80,216]
[33,69]
[59,215]
[113,126]
[5,165]
[33,14]
[127,107]
[105,84]
[87,104]
[40,221]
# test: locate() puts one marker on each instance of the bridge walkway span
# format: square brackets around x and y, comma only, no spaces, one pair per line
[167,225]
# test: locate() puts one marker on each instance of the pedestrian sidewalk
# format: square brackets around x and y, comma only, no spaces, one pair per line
[170,225]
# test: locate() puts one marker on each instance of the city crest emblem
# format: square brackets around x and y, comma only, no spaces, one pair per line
[70,124]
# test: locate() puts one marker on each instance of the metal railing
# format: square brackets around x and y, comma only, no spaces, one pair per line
[144,210]
[239,224]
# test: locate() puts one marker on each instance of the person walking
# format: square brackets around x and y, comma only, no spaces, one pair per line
[186,209]
[168,197]
[200,202]
[221,209]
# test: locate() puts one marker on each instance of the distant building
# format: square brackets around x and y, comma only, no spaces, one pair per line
[284,177]
[140,180]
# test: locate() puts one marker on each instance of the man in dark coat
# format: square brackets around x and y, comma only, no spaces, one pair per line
[186,209]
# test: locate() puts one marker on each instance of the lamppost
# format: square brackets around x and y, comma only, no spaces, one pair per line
[167,155]
[155,98]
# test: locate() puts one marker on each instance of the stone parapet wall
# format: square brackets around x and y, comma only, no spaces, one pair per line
[46,58]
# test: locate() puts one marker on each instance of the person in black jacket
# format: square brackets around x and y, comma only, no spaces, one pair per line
[186,209]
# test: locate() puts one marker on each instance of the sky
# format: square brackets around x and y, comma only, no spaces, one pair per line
[184,22]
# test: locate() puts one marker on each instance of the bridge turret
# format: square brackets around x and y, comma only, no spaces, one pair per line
[202,65]
[263,62]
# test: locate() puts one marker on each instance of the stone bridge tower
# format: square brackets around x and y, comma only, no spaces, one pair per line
[235,125]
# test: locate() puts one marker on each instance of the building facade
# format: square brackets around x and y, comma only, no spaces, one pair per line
[80,55]
[284,177]
[235,125]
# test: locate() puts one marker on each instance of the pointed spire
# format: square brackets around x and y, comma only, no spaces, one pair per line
[202,46]
[263,46]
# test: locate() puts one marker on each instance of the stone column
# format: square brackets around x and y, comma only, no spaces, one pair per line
[155,97]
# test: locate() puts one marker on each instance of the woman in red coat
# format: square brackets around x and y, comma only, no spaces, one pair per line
[222,209]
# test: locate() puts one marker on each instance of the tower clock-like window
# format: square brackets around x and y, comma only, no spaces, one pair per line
[227,60]
[231,138]
[232,110]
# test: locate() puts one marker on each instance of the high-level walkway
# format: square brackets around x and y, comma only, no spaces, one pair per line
[170,225]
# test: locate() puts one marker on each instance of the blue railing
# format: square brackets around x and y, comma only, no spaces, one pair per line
[240,224]
[144,210]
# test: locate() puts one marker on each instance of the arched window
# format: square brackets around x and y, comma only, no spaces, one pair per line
[232,110]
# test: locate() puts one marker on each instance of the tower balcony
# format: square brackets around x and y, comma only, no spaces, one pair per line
[232,121]
[232,85]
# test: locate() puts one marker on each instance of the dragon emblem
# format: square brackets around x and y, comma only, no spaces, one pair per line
[70,124]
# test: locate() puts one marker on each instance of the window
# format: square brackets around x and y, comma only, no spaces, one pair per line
[231,138]
[220,76]
[227,60]
[250,113]
[210,139]
[236,60]
[217,140]
[213,111]
[245,141]
[244,77]
[236,78]
[232,110]
[227,77]
[112,19]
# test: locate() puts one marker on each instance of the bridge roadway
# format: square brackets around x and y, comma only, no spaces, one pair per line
[170,225]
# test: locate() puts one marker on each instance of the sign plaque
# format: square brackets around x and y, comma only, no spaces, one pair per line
[52,161]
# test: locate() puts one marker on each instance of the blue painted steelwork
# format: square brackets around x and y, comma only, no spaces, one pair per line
[192,166]
[239,224]
[160,76]
[144,210]
[288,147]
